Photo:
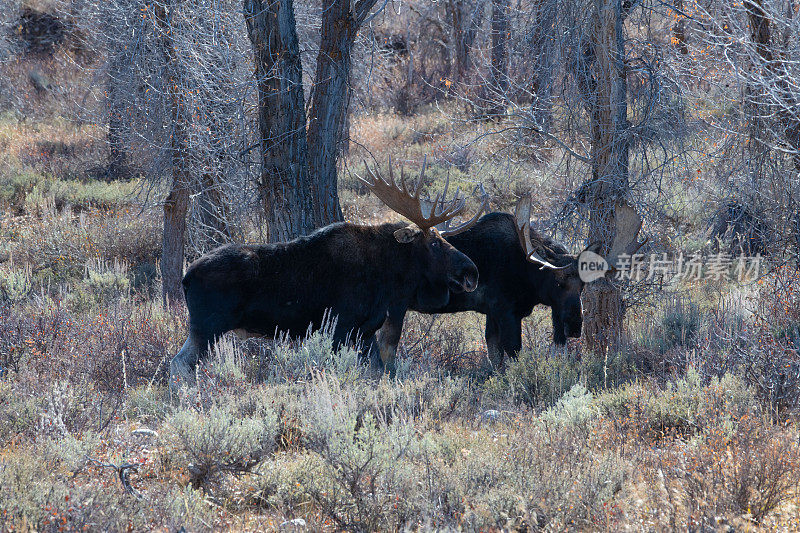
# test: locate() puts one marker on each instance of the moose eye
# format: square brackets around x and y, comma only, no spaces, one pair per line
[435,244]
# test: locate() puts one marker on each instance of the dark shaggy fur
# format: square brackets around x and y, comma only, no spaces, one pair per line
[509,289]
[359,273]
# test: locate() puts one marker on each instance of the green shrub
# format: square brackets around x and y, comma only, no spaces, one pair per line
[535,378]
[679,325]
[575,408]
[686,406]
[359,465]
[16,284]
[316,352]
[16,185]
[225,439]
[19,413]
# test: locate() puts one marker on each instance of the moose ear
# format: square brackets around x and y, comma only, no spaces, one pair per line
[406,235]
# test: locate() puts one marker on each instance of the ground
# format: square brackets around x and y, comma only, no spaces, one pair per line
[690,426]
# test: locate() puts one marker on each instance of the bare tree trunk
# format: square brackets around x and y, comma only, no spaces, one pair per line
[175,207]
[774,75]
[465,28]
[498,71]
[176,204]
[117,156]
[329,99]
[213,208]
[286,190]
[541,48]
[679,30]
[461,55]
[607,103]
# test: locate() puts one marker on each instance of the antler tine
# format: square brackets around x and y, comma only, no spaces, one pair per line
[522,219]
[403,185]
[371,173]
[447,231]
[422,177]
[391,172]
[446,185]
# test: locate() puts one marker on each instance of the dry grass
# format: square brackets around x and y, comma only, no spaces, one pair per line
[684,429]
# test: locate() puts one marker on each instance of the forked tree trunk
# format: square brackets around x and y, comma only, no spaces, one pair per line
[607,104]
[176,204]
[286,192]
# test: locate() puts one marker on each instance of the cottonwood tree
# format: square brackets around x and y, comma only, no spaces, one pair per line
[175,95]
[755,45]
[606,107]
[603,84]
[300,152]
[498,67]
[465,20]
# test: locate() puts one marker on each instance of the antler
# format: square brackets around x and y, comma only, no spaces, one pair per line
[444,228]
[628,223]
[522,219]
[425,213]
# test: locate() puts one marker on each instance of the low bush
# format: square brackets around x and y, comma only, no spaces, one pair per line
[233,437]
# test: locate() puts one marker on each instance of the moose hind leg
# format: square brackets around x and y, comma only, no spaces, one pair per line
[182,366]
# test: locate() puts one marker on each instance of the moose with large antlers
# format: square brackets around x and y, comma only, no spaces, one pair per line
[519,269]
[358,274]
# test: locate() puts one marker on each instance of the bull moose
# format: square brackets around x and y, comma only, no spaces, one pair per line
[519,269]
[358,274]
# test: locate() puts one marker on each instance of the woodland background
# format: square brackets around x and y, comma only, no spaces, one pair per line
[136,135]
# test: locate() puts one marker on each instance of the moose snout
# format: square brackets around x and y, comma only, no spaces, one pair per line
[466,278]
[470,281]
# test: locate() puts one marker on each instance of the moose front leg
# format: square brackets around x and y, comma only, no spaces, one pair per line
[510,335]
[559,335]
[493,345]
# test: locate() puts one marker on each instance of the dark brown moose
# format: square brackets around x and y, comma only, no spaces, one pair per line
[519,268]
[356,274]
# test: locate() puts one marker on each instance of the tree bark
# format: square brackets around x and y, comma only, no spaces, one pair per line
[498,71]
[464,30]
[117,153]
[329,100]
[542,81]
[213,208]
[177,202]
[773,74]
[285,188]
[679,30]
[299,174]
[606,101]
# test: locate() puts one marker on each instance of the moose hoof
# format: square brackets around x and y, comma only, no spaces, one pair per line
[180,374]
